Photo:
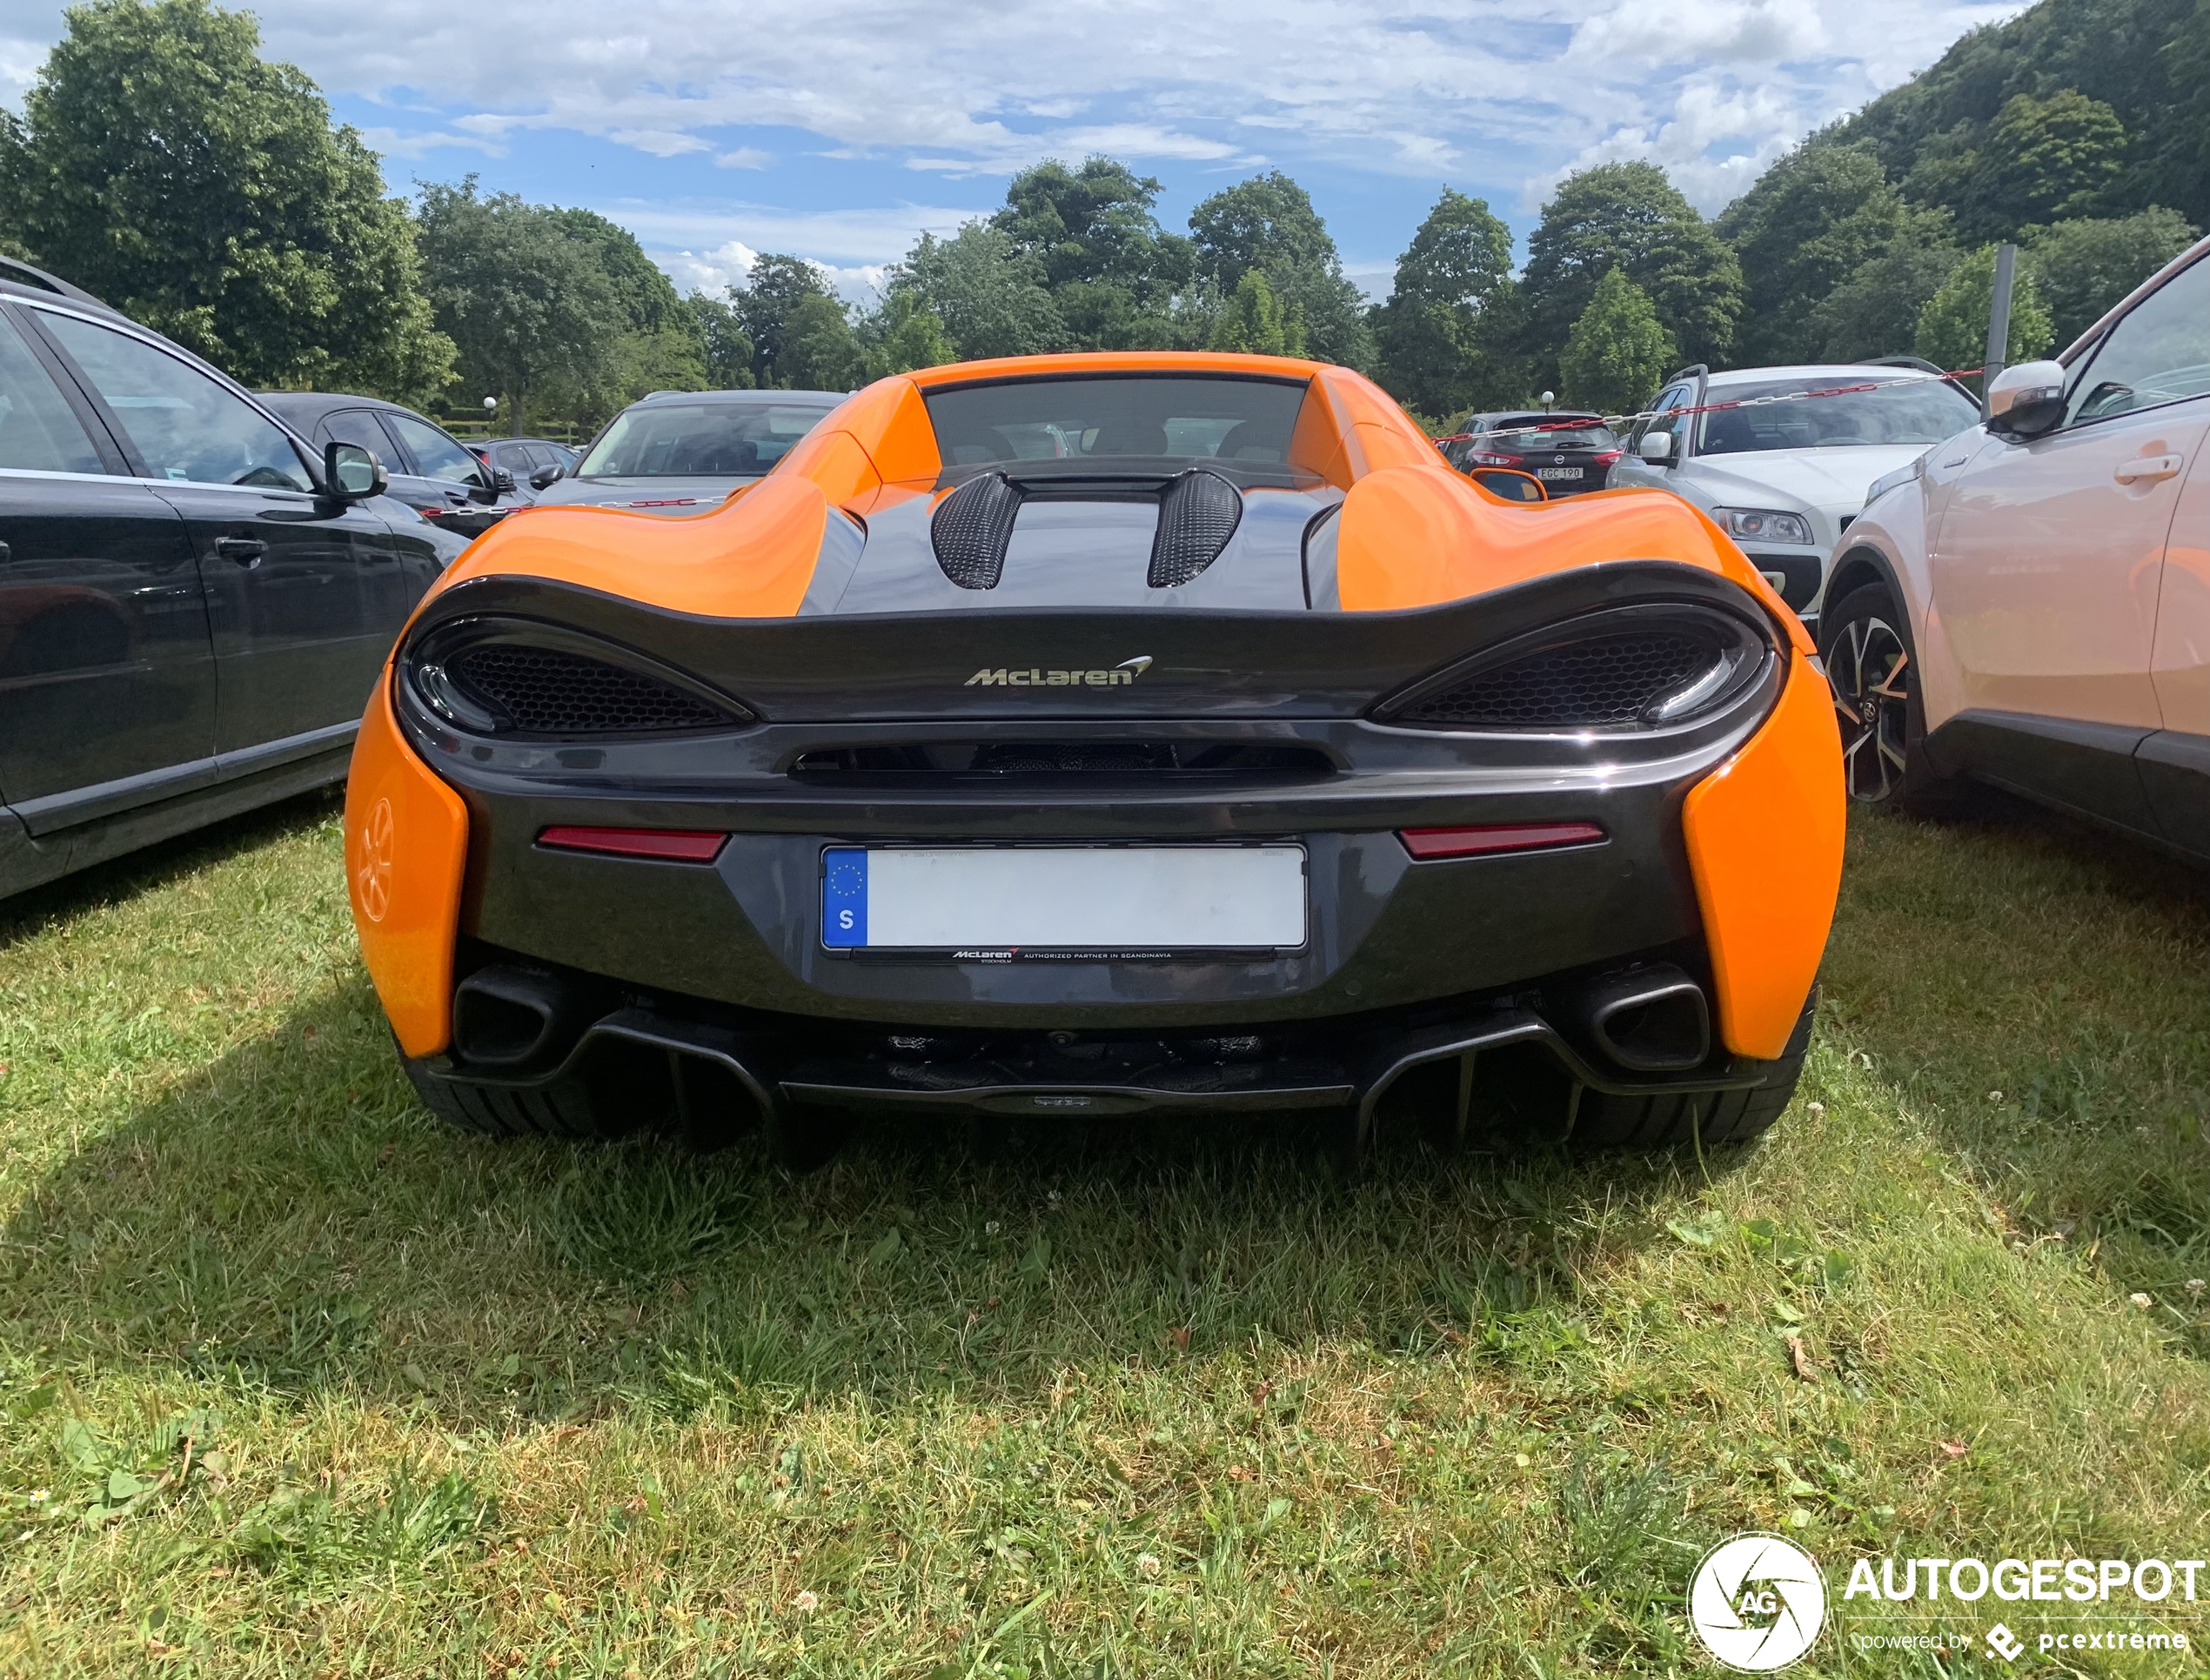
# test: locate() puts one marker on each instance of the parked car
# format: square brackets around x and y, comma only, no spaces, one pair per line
[193,602]
[1233,751]
[2028,604]
[533,462]
[680,452]
[1785,474]
[431,471]
[1569,452]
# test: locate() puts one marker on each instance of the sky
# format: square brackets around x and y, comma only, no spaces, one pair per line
[841,130]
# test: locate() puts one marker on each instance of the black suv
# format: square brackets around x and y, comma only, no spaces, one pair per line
[1569,452]
[194,604]
[432,471]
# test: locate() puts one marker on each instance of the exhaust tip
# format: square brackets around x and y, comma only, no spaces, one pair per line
[512,1018]
[1653,1020]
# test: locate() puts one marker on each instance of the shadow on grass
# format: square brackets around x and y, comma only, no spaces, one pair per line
[2035,987]
[288,1217]
[27,913]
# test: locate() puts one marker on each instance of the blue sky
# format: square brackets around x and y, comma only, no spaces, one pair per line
[840,129]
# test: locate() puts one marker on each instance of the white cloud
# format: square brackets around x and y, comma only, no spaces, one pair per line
[391,142]
[1497,97]
[661,143]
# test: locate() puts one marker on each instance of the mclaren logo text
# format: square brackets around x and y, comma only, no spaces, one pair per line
[1037,677]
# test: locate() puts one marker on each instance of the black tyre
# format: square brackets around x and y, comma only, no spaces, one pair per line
[566,1108]
[1865,643]
[1708,1117]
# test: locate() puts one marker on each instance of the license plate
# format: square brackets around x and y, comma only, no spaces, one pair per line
[1007,902]
[1558,472]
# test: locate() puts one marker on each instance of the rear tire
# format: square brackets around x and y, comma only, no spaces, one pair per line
[1707,1117]
[1871,669]
[565,1109]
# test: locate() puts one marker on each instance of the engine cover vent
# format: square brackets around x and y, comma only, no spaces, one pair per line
[1197,515]
[970,529]
[550,690]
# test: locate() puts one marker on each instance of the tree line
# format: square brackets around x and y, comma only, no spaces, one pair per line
[161,163]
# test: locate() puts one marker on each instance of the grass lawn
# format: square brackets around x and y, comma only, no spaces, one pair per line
[295,1381]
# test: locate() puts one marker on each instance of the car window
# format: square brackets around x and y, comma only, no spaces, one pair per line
[437,456]
[543,455]
[1116,420]
[2159,352]
[358,425]
[183,425]
[1780,414]
[701,440]
[38,431]
[513,458]
[1671,397]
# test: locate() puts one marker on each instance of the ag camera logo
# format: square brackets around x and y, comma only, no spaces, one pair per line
[1758,1602]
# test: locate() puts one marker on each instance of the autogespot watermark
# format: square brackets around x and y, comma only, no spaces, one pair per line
[1758,1602]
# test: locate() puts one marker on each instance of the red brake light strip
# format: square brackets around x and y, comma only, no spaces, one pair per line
[1425,843]
[670,844]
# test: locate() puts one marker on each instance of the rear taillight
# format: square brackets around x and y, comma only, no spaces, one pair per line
[1482,458]
[669,845]
[1486,841]
[1605,457]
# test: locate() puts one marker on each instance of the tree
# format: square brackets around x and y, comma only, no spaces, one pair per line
[1253,321]
[1630,218]
[2082,268]
[1617,353]
[989,293]
[1875,311]
[820,349]
[1112,273]
[530,307]
[904,334]
[658,347]
[767,306]
[724,346]
[1952,327]
[161,163]
[1268,224]
[1807,224]
[1436,353]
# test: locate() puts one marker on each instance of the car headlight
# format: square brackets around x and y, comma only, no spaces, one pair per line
[1763,525]
[1903,475]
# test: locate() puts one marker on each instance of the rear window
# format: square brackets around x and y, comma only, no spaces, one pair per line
[1549,434]
[699,440]
[1117,423]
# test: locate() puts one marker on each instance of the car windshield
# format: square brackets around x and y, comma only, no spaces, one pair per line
[699,440]
[1518,433]
[1117,423]
[1914,411]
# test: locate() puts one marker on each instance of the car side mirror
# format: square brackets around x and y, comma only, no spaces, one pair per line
[351,473]
[1512,485]
[1657,448]
[546,477]
[2027,400]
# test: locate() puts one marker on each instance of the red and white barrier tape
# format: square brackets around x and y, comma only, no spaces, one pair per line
[1618,421]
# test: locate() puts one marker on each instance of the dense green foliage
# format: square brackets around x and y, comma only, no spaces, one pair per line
[161,163]
[1618,351]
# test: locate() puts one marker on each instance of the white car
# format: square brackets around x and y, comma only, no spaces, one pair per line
[2029,603]
[1785,473]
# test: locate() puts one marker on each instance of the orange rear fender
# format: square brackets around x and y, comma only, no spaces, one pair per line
[407,852]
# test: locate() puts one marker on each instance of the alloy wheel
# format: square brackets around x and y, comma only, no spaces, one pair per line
[1868,669]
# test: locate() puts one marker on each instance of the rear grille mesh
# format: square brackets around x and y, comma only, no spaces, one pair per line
[1605,680]
[971,529]
[548,691]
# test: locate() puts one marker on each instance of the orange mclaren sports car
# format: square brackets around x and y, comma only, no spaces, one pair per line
[1082,735]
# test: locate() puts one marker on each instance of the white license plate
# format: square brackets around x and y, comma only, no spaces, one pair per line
[1558,472]
[1003,902]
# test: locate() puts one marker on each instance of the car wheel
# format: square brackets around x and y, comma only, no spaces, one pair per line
[1865,644]
[1704,1118]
